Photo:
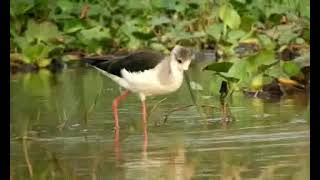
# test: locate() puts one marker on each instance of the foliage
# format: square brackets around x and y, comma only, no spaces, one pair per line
[249,34]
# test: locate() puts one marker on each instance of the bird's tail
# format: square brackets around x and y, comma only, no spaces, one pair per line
[95,60]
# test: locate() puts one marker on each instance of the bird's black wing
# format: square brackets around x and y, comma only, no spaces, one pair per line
[135,62]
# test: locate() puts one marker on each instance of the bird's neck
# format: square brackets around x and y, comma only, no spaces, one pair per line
[168,72]
[175,72]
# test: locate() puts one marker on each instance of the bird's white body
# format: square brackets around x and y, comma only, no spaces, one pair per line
[166,77]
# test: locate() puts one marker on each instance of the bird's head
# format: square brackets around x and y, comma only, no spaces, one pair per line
[181,56]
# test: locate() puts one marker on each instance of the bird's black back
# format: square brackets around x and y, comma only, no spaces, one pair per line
[135,62]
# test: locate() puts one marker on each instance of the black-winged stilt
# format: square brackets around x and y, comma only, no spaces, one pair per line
[146,73]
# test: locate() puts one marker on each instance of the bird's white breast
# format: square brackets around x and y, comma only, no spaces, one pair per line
[152,81]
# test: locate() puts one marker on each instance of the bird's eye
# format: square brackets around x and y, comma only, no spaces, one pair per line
[179,61]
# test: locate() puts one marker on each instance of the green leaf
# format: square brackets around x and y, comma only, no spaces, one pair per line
[291,68]
[133,4]
[247,21]
[96,33]
[230,16]
[239,70]
[22,42]
[73,25]
[19,57]
[241,1]
[300,41]
[195,86]
[164,4]
[265,57]
[227,77]
[215,30]
[155,21]
[286,37]
[178,35]
[276,72]
[97,10]
[266,42]
[275,18]
[235,35]
[219,66]
[44,62]
[44,31]
[68,7]
[257,82]
[19,7]
[306,35]
[37,52]
[159,47]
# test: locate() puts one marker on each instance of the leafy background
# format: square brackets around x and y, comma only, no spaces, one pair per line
[258,40]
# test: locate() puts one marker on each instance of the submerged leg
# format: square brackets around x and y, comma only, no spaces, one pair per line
[117,146]
[115,104]
[145,130]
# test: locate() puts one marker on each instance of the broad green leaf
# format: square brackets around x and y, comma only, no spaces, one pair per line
[37,52]
[96,33]
[291,68]
[129,27]
[276,72]
[67,6]
[300,41]
[230,16]
[282,30]
[241,1]
[239,70]
[19,7]
[219,66]
[22,42]
[266,42]
[143,36]
[73,25]
[286,37]
[44,62]
[275,18]
[257,82]
[247,21]
[134,43]
[44,31]
[182,35]
[165,4]
[159,47]
[265,57]
[215,83]
[227,77]
[19,57]
[215,30]
[133,4]
[303,60]
[155,21]
[97,10]
[235,35]
[306,35]
[196,86]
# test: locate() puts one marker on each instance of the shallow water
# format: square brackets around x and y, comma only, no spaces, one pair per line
[67,123]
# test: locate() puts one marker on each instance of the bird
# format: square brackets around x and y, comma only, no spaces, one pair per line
[145,73]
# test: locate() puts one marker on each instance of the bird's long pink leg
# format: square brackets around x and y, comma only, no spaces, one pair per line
[115,104]
[145,131]
[144,112]
[117,147]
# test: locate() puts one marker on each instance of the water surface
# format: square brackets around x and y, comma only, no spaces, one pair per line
[67,123]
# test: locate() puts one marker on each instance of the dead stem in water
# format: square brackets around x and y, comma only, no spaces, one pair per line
[26,156]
